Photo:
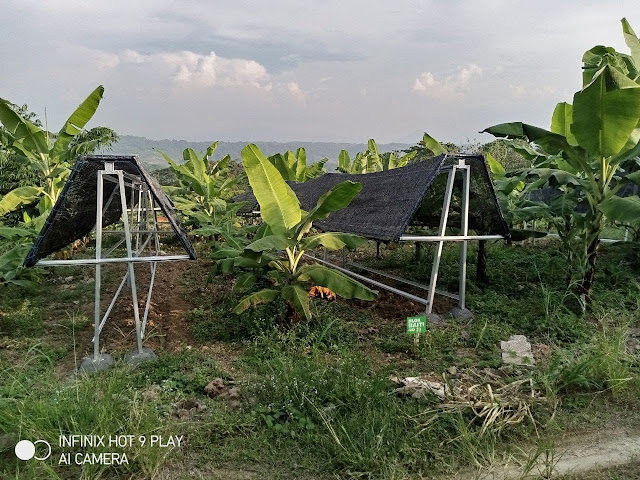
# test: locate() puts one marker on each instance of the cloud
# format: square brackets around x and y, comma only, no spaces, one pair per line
[457,84]
[299,95]
[519,91]
[191,69]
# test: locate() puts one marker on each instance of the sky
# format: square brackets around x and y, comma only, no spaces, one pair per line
[303,70]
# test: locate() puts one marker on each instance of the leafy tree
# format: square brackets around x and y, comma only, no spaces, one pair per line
[275,253]
[49,156]
[589,153]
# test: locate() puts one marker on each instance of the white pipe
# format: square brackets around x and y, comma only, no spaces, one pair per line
[448,238]
[93,261]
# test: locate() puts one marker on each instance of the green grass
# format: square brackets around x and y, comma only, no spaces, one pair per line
[317,401]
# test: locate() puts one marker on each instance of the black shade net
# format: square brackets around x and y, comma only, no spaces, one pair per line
[74,214]
[392,200]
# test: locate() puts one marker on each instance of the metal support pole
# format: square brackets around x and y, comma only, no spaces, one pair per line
[132,275]
[441,231]
[156,247]
[96,327]
[464,231]
[139,215]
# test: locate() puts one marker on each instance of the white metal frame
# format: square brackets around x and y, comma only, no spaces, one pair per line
[439,239]
[138,220]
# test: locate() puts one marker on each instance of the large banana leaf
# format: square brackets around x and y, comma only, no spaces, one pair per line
[263,296]
[344,162]
[495,166]
[337,198]
[23,131]
[14,232]
[606,112]
[551,143]
[632,41]
[298,297]
[197,165]
[17,197]
[76,122]
[301,165]
[332,241]
[622,209]
[279,206]
[337,282]
[271,242]
[433,145]
[561,121]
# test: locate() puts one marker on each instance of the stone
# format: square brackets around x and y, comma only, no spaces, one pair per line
[136,357]
[93,365]
[214,387]
[517,351]
[452,370]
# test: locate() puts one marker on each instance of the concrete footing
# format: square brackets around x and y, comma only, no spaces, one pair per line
[136,357]
[93,365]
[461,313]
[435,319]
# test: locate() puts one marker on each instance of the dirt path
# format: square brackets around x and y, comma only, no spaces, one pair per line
[576,456]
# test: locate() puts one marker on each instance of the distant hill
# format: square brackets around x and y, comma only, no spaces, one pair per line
[146,149]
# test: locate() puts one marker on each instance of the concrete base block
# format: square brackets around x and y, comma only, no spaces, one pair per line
[135,357]
[461,313]
[93,365]
[435,319]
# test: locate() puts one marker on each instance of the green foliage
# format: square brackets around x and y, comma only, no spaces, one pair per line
[277,249]
[428,146]
[204,187]
[35,404]
[47,159]
[294,168]
[371,161]
[592,144]
[602,364]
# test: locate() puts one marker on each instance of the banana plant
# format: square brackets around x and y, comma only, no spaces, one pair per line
[204,187]
[276,253]
[49,155]
[371,160]
[589,150]
[294,168]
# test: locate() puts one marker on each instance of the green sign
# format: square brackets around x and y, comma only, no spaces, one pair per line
[417,324]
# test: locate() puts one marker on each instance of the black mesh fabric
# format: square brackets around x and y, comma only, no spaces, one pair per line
[485,214]
[392,200]
[74,214]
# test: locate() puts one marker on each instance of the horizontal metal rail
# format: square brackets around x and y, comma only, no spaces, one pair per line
[602,240]
[94,261]
[372,282]
[404,280]
[448,238]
